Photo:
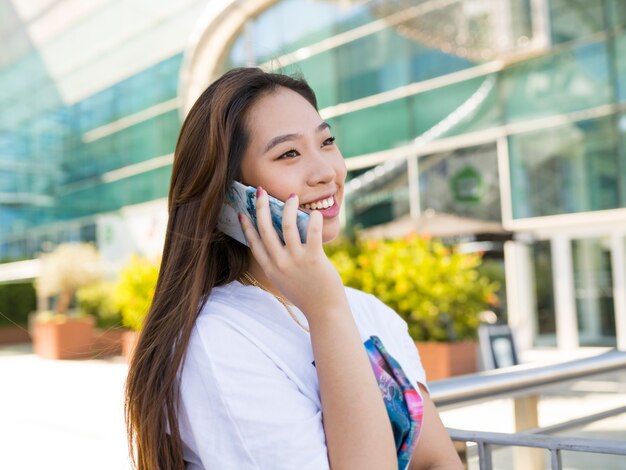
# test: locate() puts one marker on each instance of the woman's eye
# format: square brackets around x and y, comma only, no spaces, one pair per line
[289,154]
[329,141]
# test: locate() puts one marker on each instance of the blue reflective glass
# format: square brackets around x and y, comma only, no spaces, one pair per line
[567,80]
[620,66]
[575,20]
[566,169]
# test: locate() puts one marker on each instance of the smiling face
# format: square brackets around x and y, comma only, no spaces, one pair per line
[292,150]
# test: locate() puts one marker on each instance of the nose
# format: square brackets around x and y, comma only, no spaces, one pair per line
[322,168]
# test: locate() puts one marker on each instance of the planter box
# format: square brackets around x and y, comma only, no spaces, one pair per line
[70,339]
[443,360]
[129,341]
[108,342]
[14,335]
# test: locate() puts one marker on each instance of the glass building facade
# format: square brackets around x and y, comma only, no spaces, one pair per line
[511,112]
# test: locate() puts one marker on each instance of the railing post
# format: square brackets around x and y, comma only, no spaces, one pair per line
[556,459]
[485,461]
[527,417]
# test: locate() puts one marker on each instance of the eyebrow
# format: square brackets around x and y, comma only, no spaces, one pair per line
[287,137]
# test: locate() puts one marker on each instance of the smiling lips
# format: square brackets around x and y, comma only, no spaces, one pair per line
[327,207]
[321,204]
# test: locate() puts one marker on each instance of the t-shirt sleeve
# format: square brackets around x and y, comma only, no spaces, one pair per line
[239,410]
[408,355]
[414,368]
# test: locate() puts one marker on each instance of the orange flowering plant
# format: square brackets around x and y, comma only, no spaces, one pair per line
[437,290]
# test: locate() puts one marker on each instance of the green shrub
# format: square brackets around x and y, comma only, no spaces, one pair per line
[97,300]
[135,289]
[438,291]
[17,301]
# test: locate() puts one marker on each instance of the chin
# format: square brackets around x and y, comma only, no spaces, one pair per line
[330,233]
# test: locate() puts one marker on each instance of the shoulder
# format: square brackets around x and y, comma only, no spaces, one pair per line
[243,328]
[375,318]
[370,309]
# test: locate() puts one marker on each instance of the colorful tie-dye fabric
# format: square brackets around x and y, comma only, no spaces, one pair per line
[404,404]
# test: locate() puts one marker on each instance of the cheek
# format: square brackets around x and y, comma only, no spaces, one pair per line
[341,170]
[255,176]
[247,172]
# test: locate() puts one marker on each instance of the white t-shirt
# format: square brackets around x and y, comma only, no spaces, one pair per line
[249,389]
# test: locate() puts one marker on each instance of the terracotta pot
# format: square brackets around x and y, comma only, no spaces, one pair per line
[14,334]
[129,341]
[68,339]
[108,342]
[443,360]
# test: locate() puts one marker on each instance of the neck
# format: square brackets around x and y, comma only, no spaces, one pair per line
[255,269]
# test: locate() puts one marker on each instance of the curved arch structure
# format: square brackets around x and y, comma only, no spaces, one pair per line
[211,41]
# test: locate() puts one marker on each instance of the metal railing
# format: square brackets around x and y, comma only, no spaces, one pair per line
[555,444]
[523,383]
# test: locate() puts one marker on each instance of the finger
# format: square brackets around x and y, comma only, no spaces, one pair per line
[290,227]
[314,233]
[267,232]
[254,241]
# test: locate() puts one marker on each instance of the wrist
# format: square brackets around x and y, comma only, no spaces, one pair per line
[324,313]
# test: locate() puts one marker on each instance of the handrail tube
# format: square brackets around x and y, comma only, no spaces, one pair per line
[521,379]
[566,443]
[578,422]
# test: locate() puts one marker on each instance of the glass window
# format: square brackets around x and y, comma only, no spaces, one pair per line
[425,63]
[621,164]
[372,64]
[290,25]
[544,293]
[147,186]
[377,128]
[319,71]
[377,195]
[574,20]
[462,182]
[617,12]
[570,80]
[455,109]
[565,169]
[377,62]
[620,66]
[293,24]
[10,181]
[88,233]
[593,284]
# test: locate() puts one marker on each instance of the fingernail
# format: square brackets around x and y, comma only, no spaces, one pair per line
[292,195]
[240,217]
[259,191]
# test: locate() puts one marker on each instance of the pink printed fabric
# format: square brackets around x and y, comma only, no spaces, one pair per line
[404,404]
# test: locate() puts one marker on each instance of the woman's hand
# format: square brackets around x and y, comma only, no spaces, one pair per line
[301,271]
[357,429]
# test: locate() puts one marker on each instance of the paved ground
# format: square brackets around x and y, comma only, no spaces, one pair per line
[61,415]
[67,415]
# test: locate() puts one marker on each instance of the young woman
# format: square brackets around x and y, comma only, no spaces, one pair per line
[259,357]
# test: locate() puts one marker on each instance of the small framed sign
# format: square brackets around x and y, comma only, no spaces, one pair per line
[497,346]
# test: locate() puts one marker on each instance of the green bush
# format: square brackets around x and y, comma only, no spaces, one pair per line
[97,299]
[135,289]
[438,291]
[17,301]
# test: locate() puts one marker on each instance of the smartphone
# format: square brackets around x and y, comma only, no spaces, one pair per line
[242,198]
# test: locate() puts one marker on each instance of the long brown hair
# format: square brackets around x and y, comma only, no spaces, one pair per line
[196,257]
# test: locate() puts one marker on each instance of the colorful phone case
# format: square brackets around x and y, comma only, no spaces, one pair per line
[242,198]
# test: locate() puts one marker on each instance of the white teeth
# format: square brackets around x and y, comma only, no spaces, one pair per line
[323,204]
